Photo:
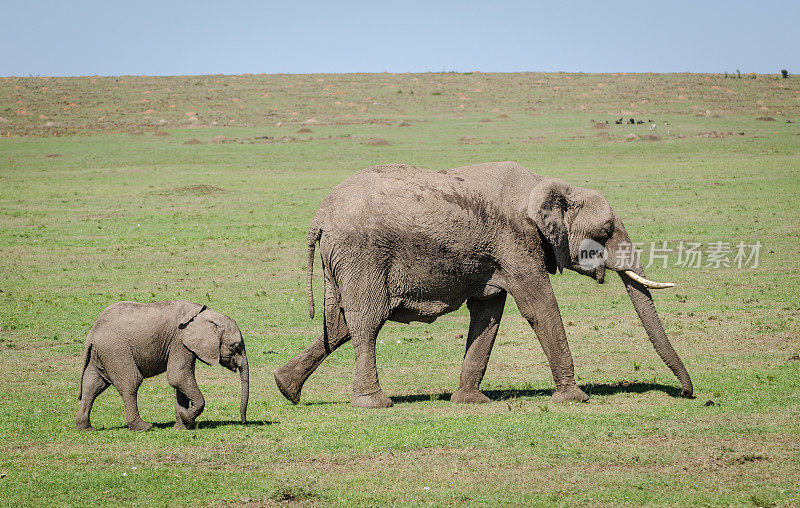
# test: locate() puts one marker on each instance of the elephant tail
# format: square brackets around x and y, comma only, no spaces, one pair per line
[87,351]
[313,236]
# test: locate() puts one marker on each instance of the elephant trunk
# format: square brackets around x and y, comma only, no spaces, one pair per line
[618,258]
[643,303]
[244,373]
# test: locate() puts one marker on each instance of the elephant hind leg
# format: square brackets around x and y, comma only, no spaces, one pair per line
[484,320]
[128,389]
[291,377]
[93,385]
[364,327]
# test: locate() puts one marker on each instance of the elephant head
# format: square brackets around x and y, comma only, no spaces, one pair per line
[586,236]
[216,340]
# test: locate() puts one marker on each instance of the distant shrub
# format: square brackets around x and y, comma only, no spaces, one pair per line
[784,73]
[738,74]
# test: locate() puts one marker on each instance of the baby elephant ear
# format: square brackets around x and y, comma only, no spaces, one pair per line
[189,311]
[546,206]
[203,338]
[200,335]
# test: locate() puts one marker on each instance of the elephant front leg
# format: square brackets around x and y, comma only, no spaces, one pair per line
[542,313]
[484,321]
[182,405]
[189,401]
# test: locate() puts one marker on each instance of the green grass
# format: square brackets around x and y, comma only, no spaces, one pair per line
[145,217]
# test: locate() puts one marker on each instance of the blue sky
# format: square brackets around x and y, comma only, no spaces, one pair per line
[232,37]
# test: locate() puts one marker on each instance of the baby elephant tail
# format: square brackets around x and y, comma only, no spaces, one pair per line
[313,235]
[87,351]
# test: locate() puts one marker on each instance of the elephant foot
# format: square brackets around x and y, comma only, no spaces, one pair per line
[184,420]
[85,427]
[140,426]
[570,394]
[289,388]
[687,393]
[464,396]
[372,400]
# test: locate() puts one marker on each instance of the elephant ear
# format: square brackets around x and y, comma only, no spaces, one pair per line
[188,311]
[546,207]
[200,336]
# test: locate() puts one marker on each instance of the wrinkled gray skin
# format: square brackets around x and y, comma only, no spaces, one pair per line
[405,244]
[131,341]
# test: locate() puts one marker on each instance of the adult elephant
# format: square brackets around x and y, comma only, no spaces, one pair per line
[405,244]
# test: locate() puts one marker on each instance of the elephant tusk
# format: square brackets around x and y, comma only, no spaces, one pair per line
[646,282]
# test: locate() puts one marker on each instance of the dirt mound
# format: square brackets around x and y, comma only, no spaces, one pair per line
[54,155]
[469,140]
[599,125]
[651,137]
[715,134]
[376,142]
[502,115]
[160,133]
[220,139]
[603,135]
[198,190]
[304,130]
[404,124]
[632,137]
[193,141]
[311,121]
[765,119]
[485,120]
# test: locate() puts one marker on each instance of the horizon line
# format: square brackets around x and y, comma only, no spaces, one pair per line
[155,75]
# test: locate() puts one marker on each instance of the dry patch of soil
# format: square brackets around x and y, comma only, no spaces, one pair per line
[197,190]
[377,142]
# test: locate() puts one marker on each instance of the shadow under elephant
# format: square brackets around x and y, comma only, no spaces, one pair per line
[512,393]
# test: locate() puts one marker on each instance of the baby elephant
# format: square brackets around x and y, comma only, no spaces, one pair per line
[131,341]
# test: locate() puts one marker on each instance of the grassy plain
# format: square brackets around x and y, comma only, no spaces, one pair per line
[96,206]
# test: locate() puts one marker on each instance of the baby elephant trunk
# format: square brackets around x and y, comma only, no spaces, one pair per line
[244,372]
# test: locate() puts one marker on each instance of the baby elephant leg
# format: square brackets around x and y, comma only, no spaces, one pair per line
[189,402]
[92,385]
[182,405]
[128,390]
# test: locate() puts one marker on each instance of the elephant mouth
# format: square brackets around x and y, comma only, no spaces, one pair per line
[598,272]
[229,363]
